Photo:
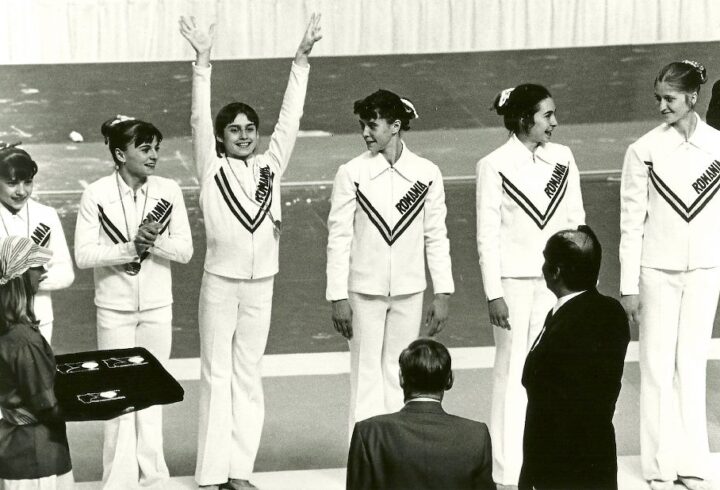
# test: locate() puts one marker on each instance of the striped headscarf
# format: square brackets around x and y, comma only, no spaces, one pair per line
[18,254]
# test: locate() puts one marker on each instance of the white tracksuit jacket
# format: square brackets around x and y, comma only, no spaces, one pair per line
[522,199]
[669,204]
[102,242]
[44,229]
[383,221]
[241,202]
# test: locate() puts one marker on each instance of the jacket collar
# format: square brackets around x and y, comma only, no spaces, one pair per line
[542,153]
[403,166]
[22,214]
[150,187]
[703,138]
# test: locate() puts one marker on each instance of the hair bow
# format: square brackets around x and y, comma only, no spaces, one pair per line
[504,96]
[4,146]
[120,118]
[410,107]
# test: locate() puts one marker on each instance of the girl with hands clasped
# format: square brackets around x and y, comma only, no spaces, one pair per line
[670,275]
[527,189]
[131,224]
[240,199]
[21,215]
[387,213]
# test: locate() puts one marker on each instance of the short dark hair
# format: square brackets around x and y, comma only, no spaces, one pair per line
[685,76]
[520,106]
[227,115]
[425,366]
[16,164]
[577,254]
[386,105]
[120,133]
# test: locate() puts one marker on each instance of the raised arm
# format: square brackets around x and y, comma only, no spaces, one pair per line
[283,138]
[203,136]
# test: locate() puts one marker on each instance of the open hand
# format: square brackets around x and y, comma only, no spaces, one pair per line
[200,40]
[312,35]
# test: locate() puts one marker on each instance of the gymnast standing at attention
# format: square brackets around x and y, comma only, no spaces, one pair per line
[21,215]
[131,224]
[527,189]
[670,275]
[387,213]
[240,199]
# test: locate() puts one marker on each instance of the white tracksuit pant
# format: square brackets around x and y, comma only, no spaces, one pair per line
[677,311]
[234,317]
[133,445]
[53,482]
[382,327]
[46,330]
[528,301]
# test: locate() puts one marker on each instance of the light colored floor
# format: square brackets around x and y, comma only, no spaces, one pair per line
[305,439]
[334,479]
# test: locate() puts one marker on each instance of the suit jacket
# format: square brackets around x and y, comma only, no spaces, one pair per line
[572,377]
[420,447]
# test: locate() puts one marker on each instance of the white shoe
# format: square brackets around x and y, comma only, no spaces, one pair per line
[662,485]
[694,483]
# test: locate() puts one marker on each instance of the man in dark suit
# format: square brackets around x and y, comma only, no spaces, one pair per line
[573,374]
[421,446]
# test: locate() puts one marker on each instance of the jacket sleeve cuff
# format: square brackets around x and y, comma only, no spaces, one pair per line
[336,295]
[493,291]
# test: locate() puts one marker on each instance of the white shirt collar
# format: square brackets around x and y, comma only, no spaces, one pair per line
[422,399]
[564,299]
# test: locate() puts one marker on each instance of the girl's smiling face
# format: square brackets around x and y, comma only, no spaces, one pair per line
[15,192]
[139,161]
[673,104]
[544,122]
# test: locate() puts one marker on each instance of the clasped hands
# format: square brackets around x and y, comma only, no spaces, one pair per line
[146,236]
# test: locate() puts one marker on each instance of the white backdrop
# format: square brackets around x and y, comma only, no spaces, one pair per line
[73,31]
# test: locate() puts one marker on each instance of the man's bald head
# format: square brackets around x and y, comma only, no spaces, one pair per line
[576,254]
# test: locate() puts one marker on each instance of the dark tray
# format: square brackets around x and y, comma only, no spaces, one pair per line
[100,385]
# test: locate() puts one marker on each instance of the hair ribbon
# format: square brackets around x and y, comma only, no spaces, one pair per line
[120,118]
[5,146]
[409,107]
[504,96]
